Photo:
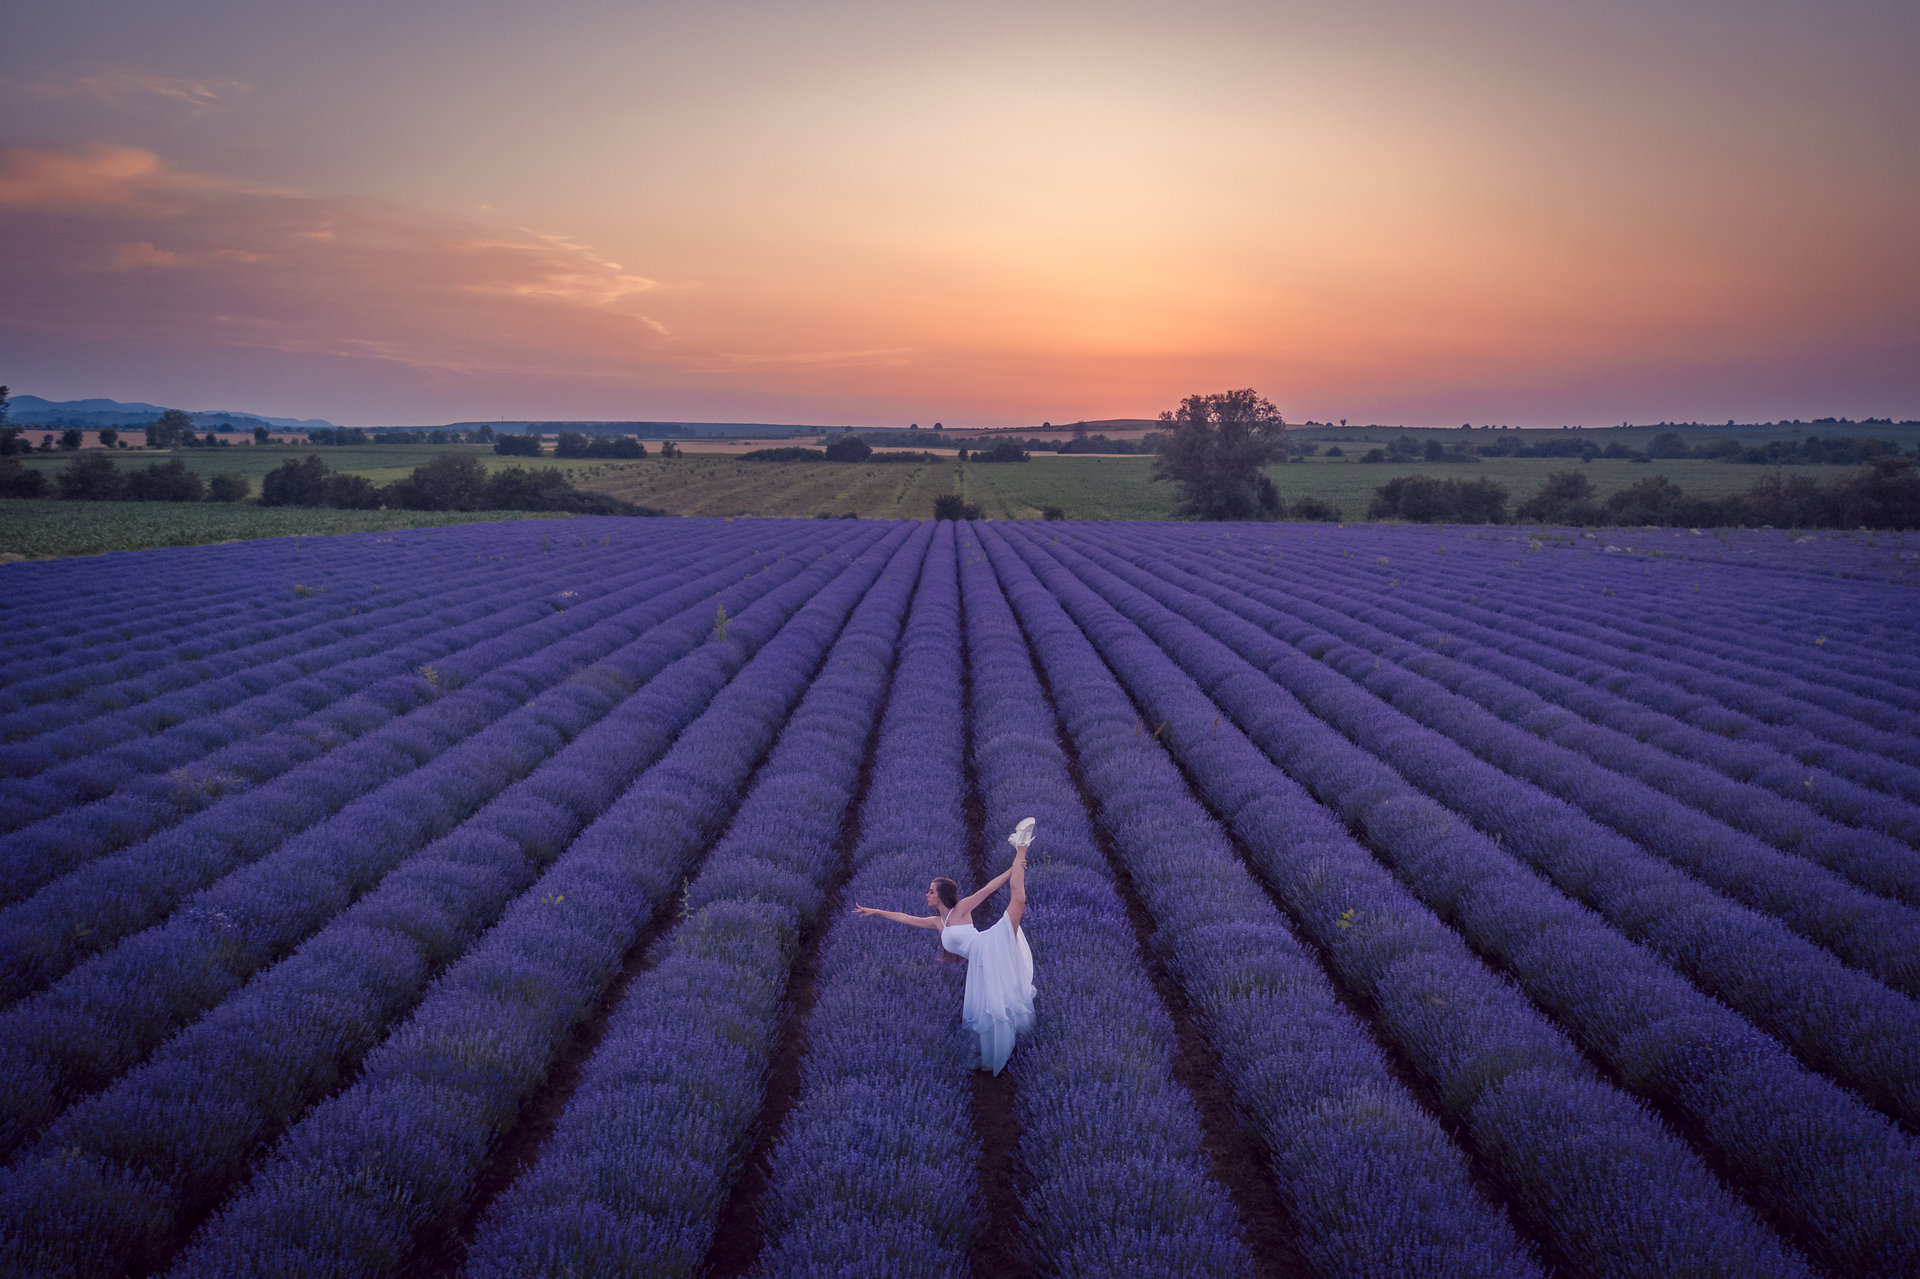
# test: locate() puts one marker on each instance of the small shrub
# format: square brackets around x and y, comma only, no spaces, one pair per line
[1314,510]
[168,481]
[19,481]
[517,445]
[952,506]
[92,477]
[229,488]
[309,482]
[1422,499]
[1002,451]
[1565,498]
[849,448]
[450,482]
[788,453]
[575,444]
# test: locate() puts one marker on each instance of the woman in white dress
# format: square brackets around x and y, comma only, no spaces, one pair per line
[999,1000]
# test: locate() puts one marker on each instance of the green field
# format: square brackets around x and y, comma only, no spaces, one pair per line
[381,463]
[1082,487]
[1349,484]
[1117,488]
[719,484]
[32,529]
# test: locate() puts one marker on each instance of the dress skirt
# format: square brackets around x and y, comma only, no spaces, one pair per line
[999,1000]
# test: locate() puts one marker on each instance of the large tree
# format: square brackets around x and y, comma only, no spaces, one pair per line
[169,430]
[1214,449]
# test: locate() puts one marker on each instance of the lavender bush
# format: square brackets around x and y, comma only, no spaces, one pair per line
[1524,900]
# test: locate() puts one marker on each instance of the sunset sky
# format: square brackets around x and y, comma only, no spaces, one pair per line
[1423,213]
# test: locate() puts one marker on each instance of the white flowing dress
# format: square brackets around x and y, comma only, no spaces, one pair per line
[999,999]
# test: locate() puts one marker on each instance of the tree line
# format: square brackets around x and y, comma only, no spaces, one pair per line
[1217,445]
[93,477]
[452,482]
[852,448]
[1667,445]
[1883,494]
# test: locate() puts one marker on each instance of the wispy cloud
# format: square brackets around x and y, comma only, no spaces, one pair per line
[121,86]
[880,356]
[112,240]
[131,257]
[96,174]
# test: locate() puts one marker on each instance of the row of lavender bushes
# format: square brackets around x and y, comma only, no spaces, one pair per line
[1879,937]
[108,1013]
[181,647]
[382,1169]
[91,630]
[1113,1165]
[1732,624]
[876,1169]
[104,900]
[1755,787]
[1798,706]
[69,640]
[1660,684]
[640,1165]
[187,650]
[1837,1019]
[1750,624]
[1373,1186]
[1620,1196]
[1837,1174]
[175,625]
[132,1165]
[286,713]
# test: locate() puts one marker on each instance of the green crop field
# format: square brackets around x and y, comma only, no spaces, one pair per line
[720,484]
[381,463]
[39,529]
[1348,484]
[712,484]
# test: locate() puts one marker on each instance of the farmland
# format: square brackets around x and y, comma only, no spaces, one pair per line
[45,530]
[1406,901]
[720,484]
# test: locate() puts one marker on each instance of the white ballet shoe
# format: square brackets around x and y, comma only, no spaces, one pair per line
[1022,834]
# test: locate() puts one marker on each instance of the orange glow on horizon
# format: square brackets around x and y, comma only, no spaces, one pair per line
[995,217]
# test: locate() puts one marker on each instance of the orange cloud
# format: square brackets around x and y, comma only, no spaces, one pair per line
[264,269]
[96,174]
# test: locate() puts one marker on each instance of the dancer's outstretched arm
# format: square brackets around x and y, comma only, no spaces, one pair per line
[986,890]
[1017,873]
[915,921]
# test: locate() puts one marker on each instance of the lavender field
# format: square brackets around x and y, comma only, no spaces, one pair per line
[1407,901]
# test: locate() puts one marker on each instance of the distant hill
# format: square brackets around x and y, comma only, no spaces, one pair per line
[31,410]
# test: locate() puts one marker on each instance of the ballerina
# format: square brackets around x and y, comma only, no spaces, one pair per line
[998,1004]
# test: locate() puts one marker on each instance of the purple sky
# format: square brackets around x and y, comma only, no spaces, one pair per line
[1529,213]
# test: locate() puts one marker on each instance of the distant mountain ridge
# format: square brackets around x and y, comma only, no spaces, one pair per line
[32,410]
